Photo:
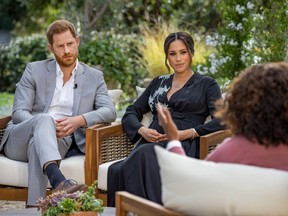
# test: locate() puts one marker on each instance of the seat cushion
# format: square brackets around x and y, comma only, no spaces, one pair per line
[16,172]
[197,187]
[103,174]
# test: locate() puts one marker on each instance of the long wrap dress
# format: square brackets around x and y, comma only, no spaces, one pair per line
[189,107]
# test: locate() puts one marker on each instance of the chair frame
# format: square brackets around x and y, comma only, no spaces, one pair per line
[129,203]
[112,143]
[20,194]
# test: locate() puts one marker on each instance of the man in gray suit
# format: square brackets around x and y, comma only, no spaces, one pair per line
[54,101]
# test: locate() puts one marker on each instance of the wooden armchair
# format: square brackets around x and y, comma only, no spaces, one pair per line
[127,203]
[112,144]
[82,168]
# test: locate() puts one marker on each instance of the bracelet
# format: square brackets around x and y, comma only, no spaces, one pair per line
[193,133]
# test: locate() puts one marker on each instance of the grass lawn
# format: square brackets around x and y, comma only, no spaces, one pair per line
[6,103]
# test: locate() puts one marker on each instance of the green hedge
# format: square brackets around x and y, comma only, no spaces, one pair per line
[116,55]
[15,56]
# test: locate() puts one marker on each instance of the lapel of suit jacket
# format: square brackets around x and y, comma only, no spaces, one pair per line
[50,84]
[79,80]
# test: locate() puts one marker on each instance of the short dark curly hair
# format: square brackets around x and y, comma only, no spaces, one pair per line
[256,104]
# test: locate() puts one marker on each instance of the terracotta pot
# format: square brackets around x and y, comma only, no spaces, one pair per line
[88,213]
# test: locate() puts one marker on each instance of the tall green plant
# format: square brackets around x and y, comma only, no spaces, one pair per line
[152,49]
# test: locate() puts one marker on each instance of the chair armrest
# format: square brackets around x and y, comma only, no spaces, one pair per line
[104,144]
[3,123]
[4,120]
[127,202]
[210,141]
[91,147]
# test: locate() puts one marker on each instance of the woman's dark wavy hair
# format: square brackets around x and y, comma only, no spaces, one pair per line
[256,104]
[185,38]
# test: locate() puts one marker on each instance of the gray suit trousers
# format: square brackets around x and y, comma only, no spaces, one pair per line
[34,141]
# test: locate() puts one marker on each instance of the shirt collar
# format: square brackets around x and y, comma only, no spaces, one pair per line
[60,73]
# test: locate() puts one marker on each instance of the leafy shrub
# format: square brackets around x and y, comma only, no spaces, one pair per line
[118,57]
[250,33]
[15,56]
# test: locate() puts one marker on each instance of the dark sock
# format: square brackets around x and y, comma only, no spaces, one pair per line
[54,175]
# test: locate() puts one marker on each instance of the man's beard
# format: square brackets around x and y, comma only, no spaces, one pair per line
[66,62]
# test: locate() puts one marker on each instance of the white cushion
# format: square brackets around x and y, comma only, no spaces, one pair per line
[147,117]
[103,173]
[115,95]
[16,172]
[197,187]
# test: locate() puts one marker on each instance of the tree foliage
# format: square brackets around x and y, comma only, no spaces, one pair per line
[10,12]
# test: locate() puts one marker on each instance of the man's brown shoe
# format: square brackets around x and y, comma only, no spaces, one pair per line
[70,186]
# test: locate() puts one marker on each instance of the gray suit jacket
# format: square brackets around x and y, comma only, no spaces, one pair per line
[35,91]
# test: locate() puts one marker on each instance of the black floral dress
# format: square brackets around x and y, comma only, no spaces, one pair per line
[189,107]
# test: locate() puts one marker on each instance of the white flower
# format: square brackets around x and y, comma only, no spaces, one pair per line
[239,27]
[250,5]
[243,56]
[210,41]
[199,67]
[258,16]
[231,25]
[245,19]
[213,70]
[212,56]
[240,9]
[233,43]
[256,59]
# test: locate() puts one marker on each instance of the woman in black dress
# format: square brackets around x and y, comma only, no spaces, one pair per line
[190,98]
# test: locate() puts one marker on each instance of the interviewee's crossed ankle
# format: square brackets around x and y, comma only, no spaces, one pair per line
[59,182]
[70,186]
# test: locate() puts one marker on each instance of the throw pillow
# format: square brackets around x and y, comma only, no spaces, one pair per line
[197,187]
[115,95]
[147,117]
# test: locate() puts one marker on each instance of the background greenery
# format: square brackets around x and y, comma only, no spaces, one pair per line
[125,38]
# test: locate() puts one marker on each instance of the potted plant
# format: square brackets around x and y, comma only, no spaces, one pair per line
[77,203]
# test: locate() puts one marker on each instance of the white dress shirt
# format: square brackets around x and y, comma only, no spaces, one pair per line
[62,102]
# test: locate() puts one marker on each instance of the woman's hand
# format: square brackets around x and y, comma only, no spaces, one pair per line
[151,135]
[185,134]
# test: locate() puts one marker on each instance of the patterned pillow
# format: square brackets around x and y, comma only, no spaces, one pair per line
[147,117]
[115,95]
